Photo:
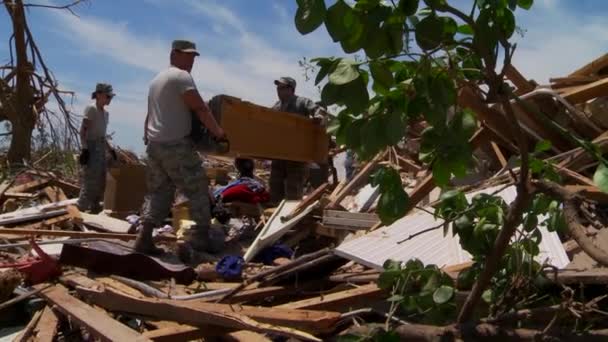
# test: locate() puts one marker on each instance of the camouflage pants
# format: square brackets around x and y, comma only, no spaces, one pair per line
[174,166]
[93,181]
[287,180]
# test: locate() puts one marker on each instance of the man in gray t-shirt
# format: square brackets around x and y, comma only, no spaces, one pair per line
[172,161]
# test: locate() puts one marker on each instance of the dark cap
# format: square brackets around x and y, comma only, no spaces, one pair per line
[103,88]
[184,46]
[286,80]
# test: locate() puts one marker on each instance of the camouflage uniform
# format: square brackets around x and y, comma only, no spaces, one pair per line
[287,177]
[176,165]
[93,177]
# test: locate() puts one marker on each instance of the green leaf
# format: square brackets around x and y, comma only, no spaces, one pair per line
[346,71]
[443,294]
[414,265]
[357,35]
[381,74]
[339,19]
[408,7]
[465,29]
[377,42]
[355,96]
[392,205]
[387,279]
[390,264]
[431,284]
[487,296]
[542,146]
[466,279]
[330,94]
[429,32]
[326,65]
[600,177]
[530,222]
[506,22]
[395,298]
[441,172]
[310,15]
[395,128]
[525,4]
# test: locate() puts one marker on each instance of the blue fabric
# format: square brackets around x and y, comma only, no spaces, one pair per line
[230,267]
[269,254]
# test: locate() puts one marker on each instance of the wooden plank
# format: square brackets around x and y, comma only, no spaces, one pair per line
[4,186]
[575,176]
[310,199]
[47,325]
[55,193]
[26,334]
[361,177]
[72,234]
[198,313]
[261,132]
[29,186]
[96,322]
[46,223]
[342,300]
[593,67]
[501,157]
[589,192]
[587,92]
[345,218]
[522,84]
[20,195]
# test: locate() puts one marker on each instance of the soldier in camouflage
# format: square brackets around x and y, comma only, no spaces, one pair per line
[94,146]
[173,163]
[287,177]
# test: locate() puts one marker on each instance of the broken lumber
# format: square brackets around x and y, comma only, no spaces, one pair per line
[587,92]
[356,181]
[593,67]
[96,322]
[72,234]
[46,328]
[29,186]
[589,192]
[28,331]
[338,301]
[203,314]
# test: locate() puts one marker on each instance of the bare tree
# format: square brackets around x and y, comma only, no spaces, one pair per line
[26,85]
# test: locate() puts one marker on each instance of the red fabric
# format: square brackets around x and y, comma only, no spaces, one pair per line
[242,193]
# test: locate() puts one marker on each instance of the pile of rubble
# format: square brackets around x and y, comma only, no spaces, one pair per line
[305,270]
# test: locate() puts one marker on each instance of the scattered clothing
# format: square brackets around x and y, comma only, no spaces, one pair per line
[244,189]
[230,267]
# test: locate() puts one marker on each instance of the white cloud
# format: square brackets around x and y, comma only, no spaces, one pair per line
[558,42]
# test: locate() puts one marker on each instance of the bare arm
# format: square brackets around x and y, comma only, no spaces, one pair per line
[195,102]
[84,127]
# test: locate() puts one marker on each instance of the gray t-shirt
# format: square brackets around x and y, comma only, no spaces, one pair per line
[98,122]
[169,118]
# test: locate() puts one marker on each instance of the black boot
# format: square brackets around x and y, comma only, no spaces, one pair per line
[144,243]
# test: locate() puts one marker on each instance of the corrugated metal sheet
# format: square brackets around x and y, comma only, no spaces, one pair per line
[433,247]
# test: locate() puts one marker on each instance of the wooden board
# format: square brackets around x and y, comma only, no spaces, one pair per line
[203,314]
[587,92]
[260,132]
[46,328]
[348,219]
[593,67]
[26,187]
[96,322]
[340,301]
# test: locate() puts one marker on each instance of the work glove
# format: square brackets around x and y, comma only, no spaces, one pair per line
[84,157]
[113,153]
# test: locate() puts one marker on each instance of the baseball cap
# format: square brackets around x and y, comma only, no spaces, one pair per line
[184,46]
[104,88]
[286,80]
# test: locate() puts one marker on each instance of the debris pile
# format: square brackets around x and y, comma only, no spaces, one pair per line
[306,270]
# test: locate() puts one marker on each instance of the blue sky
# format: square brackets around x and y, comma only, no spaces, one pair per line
[246,44]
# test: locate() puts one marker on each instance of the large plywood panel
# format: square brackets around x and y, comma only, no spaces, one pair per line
[260,132]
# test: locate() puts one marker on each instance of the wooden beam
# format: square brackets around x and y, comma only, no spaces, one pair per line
[310,199]
[341,301]
[29,186]
[55,193]
[46,223]
[96,322]
[47,325]
[522,84]
[501,157]
[71,234]
[356,181]
[587,92]
[183,332]
[199,313]
[589,192]
[592,68]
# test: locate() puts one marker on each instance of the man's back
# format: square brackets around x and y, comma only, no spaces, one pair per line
[169,117]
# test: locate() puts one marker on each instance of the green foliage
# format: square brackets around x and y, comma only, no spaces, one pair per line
[419,290]
[600,177]
[393,201]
